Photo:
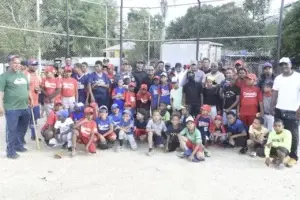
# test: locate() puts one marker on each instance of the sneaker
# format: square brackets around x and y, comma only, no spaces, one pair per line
[33,138]
[119,149]
[244,150]
[150,153]
[64,146]
[206,153]
[14,157]
[275,161]
[22,149]
[280,166]
[70,149]
[73,153]
[185,154]
[291,162]
[253,154]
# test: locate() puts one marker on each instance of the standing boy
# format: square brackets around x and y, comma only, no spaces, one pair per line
[176,95]
[165,89]
[267,104]
[155,92]
[69,89]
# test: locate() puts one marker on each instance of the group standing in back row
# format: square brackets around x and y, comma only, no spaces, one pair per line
[205,92]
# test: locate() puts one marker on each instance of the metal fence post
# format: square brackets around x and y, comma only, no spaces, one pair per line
[38,2]
[198,30]
[68,35]
[149,37]
[121,34]
[280,31]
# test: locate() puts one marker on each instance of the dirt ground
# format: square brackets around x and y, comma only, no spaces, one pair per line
[133,175]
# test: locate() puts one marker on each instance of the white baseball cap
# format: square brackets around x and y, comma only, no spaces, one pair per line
[285,60]
[190,118]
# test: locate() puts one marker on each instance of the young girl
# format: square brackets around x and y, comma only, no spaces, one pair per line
[130,97]
[217,131]
[118,94]
[141,124]
[203,121]
[155,129]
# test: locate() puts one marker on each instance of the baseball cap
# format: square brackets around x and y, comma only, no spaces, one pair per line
[156,77]
[79,104]
[193,62]
[140,62]
[103,109]
[63,113]
[174,80]
[126,112]
[251,76]
[206,107]
[164,74]
[57,101]
[127,104]
[114,106]
[94,105]
[32,62]
[68,69]
[11,57]
[49,69]
[110,66]
[267,64]
[131,84]
[189,119]
[211,78]
[238,62]
[285,60]
[168,64]
[125,62]
[144,87]
[219,117]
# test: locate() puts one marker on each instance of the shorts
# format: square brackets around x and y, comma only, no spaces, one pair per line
[111,136]
[248,120]
[192,146]
[273,152]
[139,132]
[129,137]
[65,138]
[68,102]
[85,141]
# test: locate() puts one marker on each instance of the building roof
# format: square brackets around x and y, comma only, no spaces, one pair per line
[194,42]
[126,46]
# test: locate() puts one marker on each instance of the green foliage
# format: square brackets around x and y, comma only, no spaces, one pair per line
[257,8]
[291,33]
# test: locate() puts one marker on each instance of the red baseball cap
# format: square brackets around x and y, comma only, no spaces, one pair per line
[110,66]
[206,107]
[57,101]
[156,77]
[94,105]
[127,104]
[68,69]
[144,87]
[50,69]
[239,62]
[88,110]
[251,76]
[131,84]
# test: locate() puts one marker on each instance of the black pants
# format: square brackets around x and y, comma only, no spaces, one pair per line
[293,126]
[194,109]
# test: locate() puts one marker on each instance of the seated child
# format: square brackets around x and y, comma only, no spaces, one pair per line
[143,98]
[203,122]
[140,124]
[78,114]
[105,129]
[47,130]
[257,134]
[217,131]
[86,130]
[130,97]
[130,109]
[63,129]
[165,115]
[155,128]
[115,116]
[172,133]
[236,132]
[95,107]
[278,145]
[125,131]
[190,142]
[118,94]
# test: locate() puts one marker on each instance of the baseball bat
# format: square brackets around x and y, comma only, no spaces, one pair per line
[35,132]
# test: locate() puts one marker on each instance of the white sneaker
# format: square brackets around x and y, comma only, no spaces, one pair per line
[253,154]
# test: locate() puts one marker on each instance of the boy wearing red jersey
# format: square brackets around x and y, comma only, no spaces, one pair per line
[251,99]
[130,97]
[69,89]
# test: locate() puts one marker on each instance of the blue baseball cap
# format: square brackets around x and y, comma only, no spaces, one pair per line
[103,109]
[126,112]
[114,106]
[267,64]
[63,113]
[32,62]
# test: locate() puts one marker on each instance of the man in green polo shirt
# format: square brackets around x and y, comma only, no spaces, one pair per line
[14,95]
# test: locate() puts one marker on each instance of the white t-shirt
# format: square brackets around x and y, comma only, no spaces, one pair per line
[218,76]
[181,77]
[176,95]
[288,88]
[63,126]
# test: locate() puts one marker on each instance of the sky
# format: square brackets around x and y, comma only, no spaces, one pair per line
[174,12]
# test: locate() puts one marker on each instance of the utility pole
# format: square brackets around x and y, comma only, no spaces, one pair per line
[149,37]
[121,34]
[38,3]
[198,30]
[68,35]
[280,31]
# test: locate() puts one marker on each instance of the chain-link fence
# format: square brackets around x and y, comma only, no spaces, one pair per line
[91,28]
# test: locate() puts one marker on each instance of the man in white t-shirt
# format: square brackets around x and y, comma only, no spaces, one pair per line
[286,103]
[218,76]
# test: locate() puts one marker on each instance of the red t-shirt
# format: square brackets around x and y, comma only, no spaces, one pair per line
[249,100]
[87,128]
[34,82]
[143,97]
[50,85]
[50,120]
[130,98]
[69,87]
[241,83]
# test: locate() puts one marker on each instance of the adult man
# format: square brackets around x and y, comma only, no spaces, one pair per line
[68,62]
[267,76]
[125,73]
[286,103]
[140,75]
[193,94]
[180,74]
[218,76]
[206,65]
[149,79]
[199,74]
[160,68]
[14,95]
[99,86]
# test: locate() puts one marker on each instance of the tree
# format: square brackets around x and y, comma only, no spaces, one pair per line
[291,33]
[257,8]
[227,20]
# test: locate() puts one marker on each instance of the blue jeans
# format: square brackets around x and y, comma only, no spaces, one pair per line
[16,126]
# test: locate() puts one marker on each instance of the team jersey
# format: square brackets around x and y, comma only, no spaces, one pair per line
[82,82]
[87,128]
[103,125]
[127,124]
[165,94]
[68,87]
[116,119]
[155,92]
[203,122]
[94,80]
[119,101]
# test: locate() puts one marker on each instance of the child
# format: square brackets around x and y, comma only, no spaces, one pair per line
[69,89]
[251,99]
[118,94]
[184,114]
[217,131]
[236,132]
[125,131]
[141,124]
[95,107]
[63,129]
[241,80]
[129,108]
[105,129]
[155,128]
[143,98]
[190,142]
[278,144]
[82,82]
[154,91]
[47,130]
[78,114]
[211,95]
[166,117]
[203,122]
[86,130]
[130,97]
[176,95]
[257,134]
[172,134]
[115,116]
[165,89]
[267,100]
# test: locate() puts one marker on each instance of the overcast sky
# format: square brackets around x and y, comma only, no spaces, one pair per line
[175,12]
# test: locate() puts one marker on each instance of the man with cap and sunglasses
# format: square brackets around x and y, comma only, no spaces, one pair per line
[267,75]
[286,103]
[14,96]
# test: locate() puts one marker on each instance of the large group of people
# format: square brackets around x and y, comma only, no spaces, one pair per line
[189,108]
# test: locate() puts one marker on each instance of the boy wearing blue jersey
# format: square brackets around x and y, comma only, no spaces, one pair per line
[165,89]
[118,94]
[116,115]
[82,80]
[155,93]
